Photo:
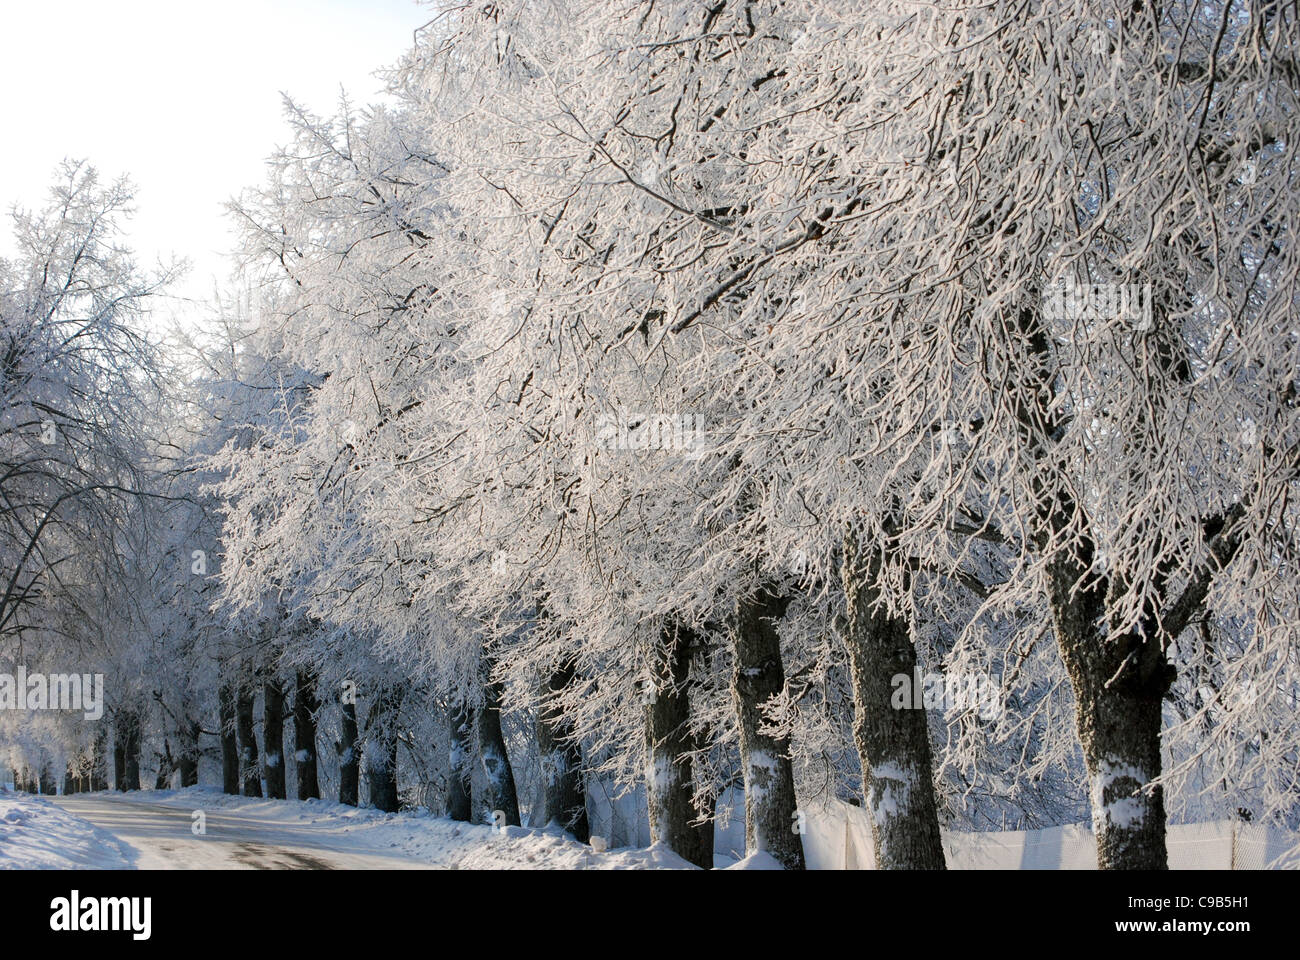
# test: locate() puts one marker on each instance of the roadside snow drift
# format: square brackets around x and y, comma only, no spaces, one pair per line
[35,834]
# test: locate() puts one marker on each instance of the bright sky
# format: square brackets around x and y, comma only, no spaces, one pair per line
[182,96]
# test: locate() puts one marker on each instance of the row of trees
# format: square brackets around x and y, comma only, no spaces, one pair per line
[650,387]
[82,380]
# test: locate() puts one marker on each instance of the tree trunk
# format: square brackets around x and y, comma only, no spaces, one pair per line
[564,792]
[47,784]
[165,767]
[229,740]
[1118,686]
[381,773]
[1118,691]
[98,761]
[893,744]
[669,742]
[305,708]
[273,739]
[501,799]
[460,719]
[381,751]
[128,743]
[188,760]
[119,762]
[349,761]
[69,781]
[248,760]
[771,815]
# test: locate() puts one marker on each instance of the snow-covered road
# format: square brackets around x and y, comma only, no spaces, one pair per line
[161,836]
[154,829]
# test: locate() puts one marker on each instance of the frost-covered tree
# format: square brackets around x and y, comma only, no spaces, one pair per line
[690,398]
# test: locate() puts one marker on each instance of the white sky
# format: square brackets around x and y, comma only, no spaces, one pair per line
[182,96]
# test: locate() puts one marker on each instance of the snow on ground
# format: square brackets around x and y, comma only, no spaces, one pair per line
[155,830]
[37,834]
[758,860]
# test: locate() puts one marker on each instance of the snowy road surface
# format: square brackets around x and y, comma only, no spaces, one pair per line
[161,837]
[154,830]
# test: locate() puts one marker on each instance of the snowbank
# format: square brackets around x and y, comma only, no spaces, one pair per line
[37,835]
[839,838]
